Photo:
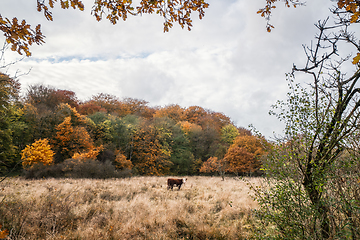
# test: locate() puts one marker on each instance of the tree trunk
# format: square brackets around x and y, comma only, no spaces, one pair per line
[314,194]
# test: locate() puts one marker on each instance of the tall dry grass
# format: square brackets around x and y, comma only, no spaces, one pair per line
[131,208]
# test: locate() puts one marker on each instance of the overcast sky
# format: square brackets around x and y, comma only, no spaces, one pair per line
[228,63]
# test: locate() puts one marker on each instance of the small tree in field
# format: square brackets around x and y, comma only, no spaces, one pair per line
[213,165]
[313,173]
[37,153]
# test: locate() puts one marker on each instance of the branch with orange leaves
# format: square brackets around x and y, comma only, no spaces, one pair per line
[21,36]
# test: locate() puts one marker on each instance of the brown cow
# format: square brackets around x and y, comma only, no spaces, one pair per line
[174,181]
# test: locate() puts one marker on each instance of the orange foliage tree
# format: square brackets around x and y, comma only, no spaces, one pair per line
[37,153]
[90,107]
[195,114]
[48,98]
[213,164]
[188,127]
[107,102]
[121,162]
[218,120]
[137,107]
[72,136]
[174,111]
[91,153]
[206,118]
[244,154]
[71,139]
[64,110]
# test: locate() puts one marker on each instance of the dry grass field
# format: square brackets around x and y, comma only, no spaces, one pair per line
[131,208]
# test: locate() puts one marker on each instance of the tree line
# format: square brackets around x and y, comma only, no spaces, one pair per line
[48,126]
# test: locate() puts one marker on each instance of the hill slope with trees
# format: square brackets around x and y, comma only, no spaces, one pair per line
[49,131]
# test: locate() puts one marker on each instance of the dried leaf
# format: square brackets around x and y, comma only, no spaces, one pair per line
[356,59]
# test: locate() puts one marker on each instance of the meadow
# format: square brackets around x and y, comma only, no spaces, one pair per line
[129,208]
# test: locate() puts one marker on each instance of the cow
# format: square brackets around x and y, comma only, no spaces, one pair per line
[175,181]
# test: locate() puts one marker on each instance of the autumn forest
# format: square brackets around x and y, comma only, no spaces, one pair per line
[49,132]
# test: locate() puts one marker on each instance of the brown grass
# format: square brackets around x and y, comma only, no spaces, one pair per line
[132,208]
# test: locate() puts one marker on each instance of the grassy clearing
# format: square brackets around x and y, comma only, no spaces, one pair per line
[132,208]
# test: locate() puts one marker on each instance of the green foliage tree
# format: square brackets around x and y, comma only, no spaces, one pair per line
[9,89]
[181,157]
[154,140]
[21,135]
[313,173]
[45,107]
[124,134]
[229,133]
[176,145]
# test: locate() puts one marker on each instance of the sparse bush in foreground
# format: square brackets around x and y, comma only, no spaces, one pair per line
[313,172]
[131,208]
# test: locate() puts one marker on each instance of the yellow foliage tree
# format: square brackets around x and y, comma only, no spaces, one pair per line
[150,156]
[36,153]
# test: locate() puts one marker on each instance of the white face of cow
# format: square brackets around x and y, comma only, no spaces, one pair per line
[184,180]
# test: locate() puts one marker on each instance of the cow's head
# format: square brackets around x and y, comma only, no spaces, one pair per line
[184,180]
